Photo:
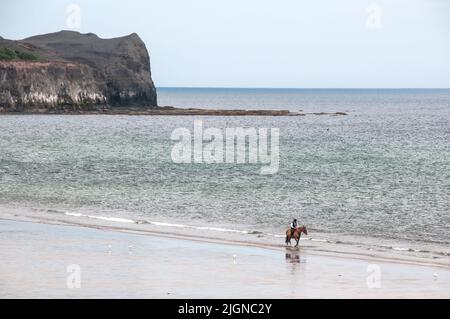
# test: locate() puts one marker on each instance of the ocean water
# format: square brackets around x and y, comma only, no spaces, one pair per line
[380,173]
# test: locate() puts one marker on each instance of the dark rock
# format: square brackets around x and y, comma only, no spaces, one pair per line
[75,71]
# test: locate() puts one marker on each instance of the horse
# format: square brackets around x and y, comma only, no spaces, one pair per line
[297,234]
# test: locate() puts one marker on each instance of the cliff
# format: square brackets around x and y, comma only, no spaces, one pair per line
[72,71]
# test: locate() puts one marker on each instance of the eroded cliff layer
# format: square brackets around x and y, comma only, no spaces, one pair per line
[69,70]
[56,85]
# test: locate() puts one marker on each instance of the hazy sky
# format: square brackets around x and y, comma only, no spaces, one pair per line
[259,43]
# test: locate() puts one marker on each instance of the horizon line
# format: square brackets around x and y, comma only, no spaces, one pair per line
[303,88]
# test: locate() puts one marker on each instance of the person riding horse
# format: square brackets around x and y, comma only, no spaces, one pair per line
[295,232]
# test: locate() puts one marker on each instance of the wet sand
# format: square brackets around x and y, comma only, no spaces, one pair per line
[36,258]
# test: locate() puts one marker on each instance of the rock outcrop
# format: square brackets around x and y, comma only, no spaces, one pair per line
[49,85]
[72,71]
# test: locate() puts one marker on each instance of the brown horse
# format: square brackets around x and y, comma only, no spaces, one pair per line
[297,234]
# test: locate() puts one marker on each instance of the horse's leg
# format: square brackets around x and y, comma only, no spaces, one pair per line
[288,237]
[297,239]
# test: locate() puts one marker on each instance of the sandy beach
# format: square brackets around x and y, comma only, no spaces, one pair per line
[225,150]
[39,260]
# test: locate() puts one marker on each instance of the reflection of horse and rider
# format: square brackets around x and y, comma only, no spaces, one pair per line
[295,232]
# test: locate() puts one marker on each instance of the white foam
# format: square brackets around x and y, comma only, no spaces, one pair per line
[199,227]
[75,214]
[163,224]
[222,229]
[111,219]
[168,225]
[402,249]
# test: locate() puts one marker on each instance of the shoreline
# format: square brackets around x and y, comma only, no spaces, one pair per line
[312,246]
[118,264]
[165,110]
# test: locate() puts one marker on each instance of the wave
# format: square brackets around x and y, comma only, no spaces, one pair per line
[226,230]
[161,224]
[111,219]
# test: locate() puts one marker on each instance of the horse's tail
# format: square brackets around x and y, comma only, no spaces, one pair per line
[287,239]
[288,233]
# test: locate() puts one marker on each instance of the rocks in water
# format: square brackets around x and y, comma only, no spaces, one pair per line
[72,71]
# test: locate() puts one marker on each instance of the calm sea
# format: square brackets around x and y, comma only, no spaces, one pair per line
[381,172]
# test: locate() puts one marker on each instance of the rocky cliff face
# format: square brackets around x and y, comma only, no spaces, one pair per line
[69,70]
[49,85]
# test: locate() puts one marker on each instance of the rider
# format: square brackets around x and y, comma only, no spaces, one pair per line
[294,225]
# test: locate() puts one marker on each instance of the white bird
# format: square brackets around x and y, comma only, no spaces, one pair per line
[234,259]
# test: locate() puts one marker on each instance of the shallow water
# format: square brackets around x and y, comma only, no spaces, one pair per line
[382,171]
[45,261]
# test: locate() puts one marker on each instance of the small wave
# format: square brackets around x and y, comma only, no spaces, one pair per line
[111,219]
[319,240]
[405,249]
[163,224]
[199,227]
[167,224]
[221,229]
[275,235]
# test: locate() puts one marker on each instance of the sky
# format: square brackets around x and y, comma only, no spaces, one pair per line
[262,43]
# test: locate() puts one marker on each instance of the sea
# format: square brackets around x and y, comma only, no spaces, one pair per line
[377,179]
